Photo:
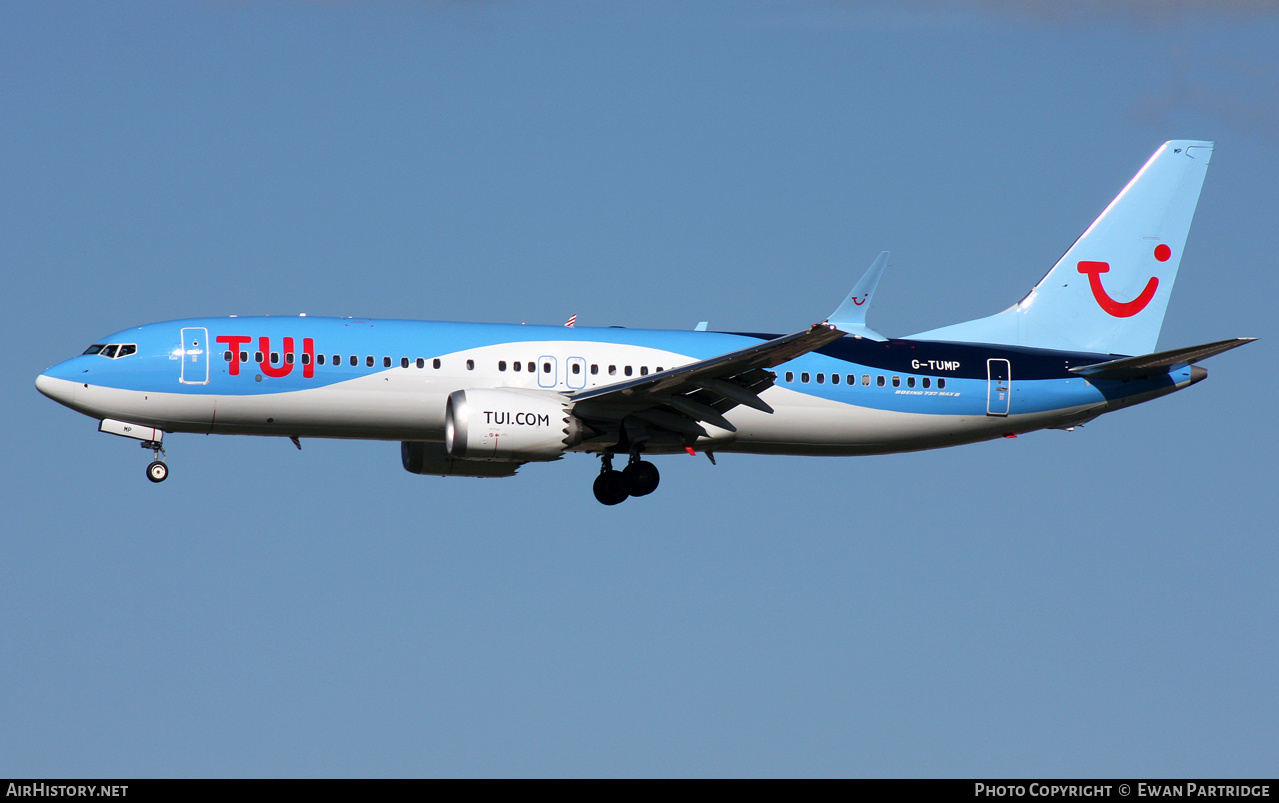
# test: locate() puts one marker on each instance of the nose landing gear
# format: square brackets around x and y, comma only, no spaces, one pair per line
[639,478]
[157,470]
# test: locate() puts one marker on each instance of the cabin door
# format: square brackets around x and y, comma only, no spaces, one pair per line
[195,356]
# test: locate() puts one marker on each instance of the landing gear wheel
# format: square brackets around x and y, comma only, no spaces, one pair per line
[157,471]
[640,478]
[610,488]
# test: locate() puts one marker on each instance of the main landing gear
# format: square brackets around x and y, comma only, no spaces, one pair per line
[639,478]
[157,471]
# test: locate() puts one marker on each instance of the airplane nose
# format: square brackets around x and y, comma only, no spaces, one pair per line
[56,388]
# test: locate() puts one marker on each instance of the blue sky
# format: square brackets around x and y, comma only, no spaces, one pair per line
[1096,603]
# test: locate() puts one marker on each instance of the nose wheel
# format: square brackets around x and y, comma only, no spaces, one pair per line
[157,470]
[612,487]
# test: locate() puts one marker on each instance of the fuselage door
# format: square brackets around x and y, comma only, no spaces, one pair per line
[195,356]
[547,372]
[999,387]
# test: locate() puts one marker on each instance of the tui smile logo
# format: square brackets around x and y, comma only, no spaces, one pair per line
[862,301]
[1122,309]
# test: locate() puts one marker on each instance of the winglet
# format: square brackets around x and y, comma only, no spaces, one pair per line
[851,315]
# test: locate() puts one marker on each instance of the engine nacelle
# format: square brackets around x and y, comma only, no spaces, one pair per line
[419,457]
[485,424]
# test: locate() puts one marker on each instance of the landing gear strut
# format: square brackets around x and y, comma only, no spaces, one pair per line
[639,478]
[157,471]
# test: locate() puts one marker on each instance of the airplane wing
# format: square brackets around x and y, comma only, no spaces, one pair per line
[679,399]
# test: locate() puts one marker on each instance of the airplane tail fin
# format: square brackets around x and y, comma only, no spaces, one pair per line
[1109,292]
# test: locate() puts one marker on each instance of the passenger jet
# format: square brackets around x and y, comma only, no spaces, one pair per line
[481,400]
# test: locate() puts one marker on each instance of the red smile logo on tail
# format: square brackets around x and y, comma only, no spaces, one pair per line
[1122,309]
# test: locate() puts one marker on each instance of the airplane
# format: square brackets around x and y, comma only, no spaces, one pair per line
[482,400]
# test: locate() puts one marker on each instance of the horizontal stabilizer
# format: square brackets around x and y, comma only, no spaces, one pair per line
[1160,362]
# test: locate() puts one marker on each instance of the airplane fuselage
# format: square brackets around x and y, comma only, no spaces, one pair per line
[390,380]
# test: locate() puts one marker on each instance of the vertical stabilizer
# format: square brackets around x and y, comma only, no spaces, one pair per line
[1108,294]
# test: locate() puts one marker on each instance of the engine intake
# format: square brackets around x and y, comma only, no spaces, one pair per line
[484,424]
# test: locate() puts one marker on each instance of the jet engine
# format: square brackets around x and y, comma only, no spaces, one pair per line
[487,424]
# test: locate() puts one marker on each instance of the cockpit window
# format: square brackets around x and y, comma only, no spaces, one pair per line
[113,351]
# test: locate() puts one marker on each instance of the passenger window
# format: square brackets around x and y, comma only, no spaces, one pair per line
[306,358]
[926,383]
[257,356]
[319,358]
[386,362]
[879,380]
[226,356]
[421,363]
[577,368]
[275,357]
[368,360]
[595,368]
[354,360]
[821,379]
[109,351]
[941,383]
[289,358]
[865,380]
[546,367]
[627,370]
[519,366]
[404,362]
[658,369]
[790,376]
[897,381]
[531,369]
[910,381]
[834,379]
[435,363]
[501,365]
[803,377]
[470,365]
[643,370]
[612,370]
[244,356]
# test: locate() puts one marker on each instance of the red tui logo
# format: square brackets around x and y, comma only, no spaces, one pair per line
[1119,309]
